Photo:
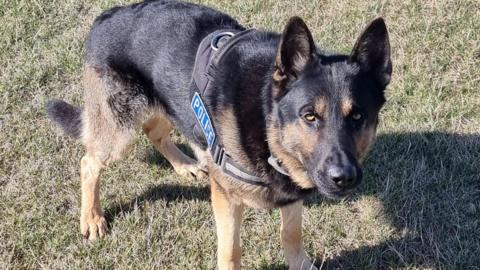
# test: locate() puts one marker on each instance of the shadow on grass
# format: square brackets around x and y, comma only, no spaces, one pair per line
[429,186]
[166,192]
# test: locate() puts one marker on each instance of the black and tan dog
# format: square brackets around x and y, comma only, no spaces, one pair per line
[268,95]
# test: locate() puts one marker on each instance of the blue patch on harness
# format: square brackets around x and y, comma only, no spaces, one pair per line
[203,119]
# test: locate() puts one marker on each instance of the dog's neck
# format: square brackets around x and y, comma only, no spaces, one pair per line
[243,113]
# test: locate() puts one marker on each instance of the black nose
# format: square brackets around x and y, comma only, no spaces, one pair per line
[343,177]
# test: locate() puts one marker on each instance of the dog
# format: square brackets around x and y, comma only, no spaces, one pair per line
[271,117]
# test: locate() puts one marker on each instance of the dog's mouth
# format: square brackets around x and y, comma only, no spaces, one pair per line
[330,190]
[334,194]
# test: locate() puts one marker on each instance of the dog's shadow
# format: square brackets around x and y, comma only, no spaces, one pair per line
[428,184]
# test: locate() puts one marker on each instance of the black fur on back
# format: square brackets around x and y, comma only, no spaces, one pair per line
[66,116]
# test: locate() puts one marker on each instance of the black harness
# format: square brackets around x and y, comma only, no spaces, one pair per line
[209,54]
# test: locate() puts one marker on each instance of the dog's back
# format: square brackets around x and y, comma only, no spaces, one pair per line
[149,49]
[157,40]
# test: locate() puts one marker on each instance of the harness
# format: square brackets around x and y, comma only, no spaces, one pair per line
[209,54]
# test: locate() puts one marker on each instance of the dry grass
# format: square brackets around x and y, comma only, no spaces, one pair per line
[418,208]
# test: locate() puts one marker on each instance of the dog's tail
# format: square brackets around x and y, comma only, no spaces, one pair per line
[66,116]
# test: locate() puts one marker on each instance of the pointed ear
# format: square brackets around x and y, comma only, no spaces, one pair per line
[372,52]
[295,49]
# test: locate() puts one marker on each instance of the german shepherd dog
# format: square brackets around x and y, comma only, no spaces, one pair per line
[271,95]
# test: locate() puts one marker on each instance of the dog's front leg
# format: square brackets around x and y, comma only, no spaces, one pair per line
[291,234]
[228,217]
[157,129]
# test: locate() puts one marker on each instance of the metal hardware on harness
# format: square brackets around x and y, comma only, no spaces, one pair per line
[220,38]
[275,163]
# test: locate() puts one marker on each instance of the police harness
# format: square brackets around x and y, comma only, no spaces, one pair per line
[209,53]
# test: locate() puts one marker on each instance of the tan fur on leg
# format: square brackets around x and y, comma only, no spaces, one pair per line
[228,217]
[157,129]
[291,234]
[92,222]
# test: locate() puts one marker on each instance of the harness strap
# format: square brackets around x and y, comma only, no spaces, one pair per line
[230,167]
[209,54]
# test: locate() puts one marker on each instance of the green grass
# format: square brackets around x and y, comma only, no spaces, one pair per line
[419,206]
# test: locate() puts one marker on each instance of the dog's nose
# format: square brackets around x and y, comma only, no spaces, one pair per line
[343,177]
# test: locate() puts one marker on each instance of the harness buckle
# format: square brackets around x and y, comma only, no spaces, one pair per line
[218,155]
[218,38]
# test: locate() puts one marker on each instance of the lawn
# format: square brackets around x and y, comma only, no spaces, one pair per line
[418,208]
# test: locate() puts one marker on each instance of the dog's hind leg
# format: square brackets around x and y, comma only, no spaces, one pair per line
[92,222]
[291,235]
[108,126]
[157,129]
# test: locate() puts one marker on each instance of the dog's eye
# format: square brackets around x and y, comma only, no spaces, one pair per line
[356,116]
[310,117]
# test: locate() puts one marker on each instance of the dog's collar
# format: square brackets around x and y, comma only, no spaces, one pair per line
[209,53]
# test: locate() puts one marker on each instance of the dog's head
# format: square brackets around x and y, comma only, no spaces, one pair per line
[325,107]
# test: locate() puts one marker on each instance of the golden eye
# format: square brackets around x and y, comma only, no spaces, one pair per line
[356,116]
[310,117]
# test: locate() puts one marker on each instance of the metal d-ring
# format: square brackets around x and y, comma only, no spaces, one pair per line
[217,38]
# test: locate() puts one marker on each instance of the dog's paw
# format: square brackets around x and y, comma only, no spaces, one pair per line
[93,227]
[191,171]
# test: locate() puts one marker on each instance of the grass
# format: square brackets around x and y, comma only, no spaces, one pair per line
[419,207]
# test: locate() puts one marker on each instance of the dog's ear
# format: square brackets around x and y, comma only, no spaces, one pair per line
[372,52]
[294,51]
